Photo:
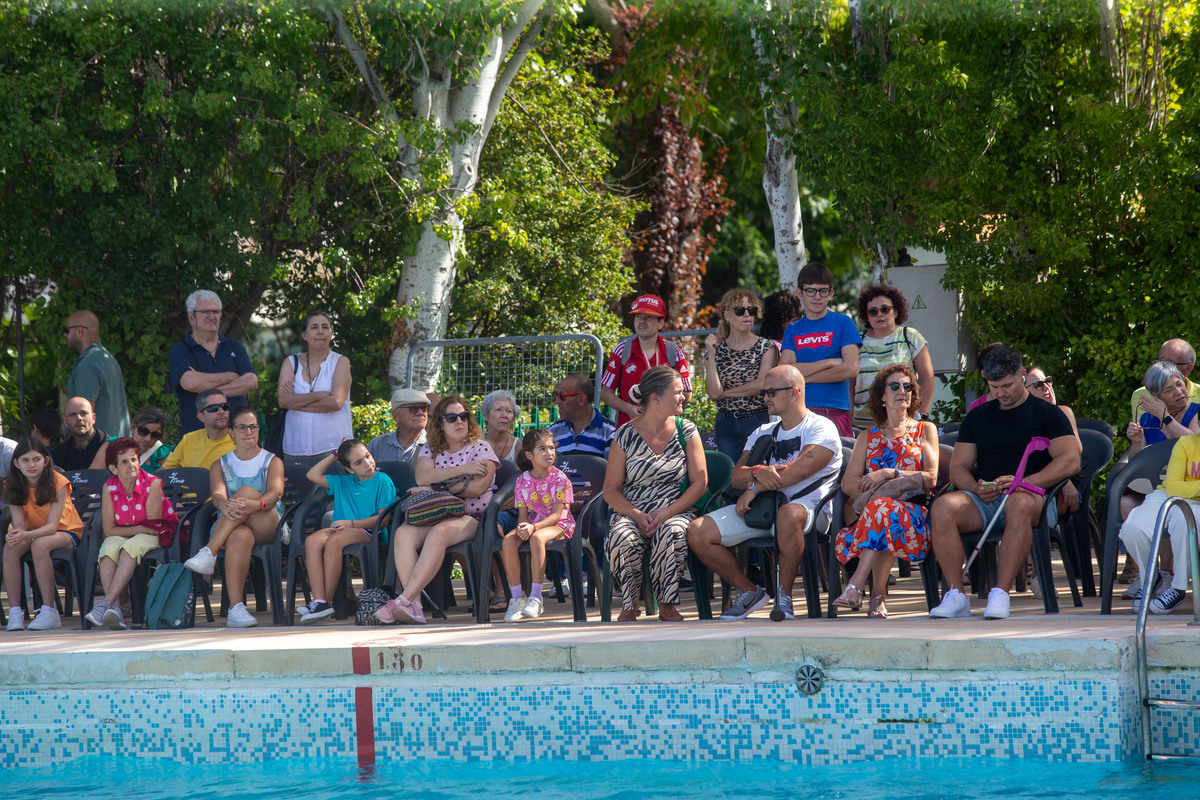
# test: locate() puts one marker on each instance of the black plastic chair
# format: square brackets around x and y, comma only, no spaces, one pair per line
[1149,463]
[949,438]
[1076,525]
[71,559]
[1098,425]
[834,565]
[586,473]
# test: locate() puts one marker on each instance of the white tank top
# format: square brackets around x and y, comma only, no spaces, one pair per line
[310,433]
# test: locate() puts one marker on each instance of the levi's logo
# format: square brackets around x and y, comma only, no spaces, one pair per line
[814,340]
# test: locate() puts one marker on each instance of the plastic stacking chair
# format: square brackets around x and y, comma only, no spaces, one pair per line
[1098,425]
[1075,526]
[840,503]
[1149,463]
[586,473]
[70,559]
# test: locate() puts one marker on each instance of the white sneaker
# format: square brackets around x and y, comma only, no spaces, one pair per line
[954,605]
[240,617]
[46,619]
[997,604]
[514,609]
[16,619]
[532,608]
[96,615]
[203,563]
[114,620]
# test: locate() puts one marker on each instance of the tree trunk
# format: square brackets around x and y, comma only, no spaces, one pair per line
[782,188]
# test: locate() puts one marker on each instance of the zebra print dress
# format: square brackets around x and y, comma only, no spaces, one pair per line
[652,482]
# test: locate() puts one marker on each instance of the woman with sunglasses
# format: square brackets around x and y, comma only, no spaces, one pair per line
[897,458]
[147,427]
[736,360]
[887,340]
[455,452]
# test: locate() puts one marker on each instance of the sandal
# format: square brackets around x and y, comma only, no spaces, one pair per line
[877,609]
[629,615]
[668,613]
[497,603]
[844,600]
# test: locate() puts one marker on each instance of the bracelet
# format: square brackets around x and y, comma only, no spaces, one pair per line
[262,504]
[754,472]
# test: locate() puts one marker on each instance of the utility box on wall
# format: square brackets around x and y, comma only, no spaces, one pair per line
[936,312]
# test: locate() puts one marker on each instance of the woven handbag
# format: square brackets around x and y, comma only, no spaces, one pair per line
[431,507]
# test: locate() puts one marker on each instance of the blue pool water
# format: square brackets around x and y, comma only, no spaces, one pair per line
[132,779]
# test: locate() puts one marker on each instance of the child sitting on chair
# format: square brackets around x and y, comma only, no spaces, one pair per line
[543,497]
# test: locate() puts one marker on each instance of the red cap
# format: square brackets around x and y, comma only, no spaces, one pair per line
[650,305]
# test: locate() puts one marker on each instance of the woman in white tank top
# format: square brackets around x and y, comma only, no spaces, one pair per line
[314,386]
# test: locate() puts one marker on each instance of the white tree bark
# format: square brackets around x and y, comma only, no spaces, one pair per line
[447,102]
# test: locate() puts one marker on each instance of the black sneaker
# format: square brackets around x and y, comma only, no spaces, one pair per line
[318,609]
[1165,602]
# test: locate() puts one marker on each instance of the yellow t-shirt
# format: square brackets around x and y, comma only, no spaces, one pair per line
[197,450]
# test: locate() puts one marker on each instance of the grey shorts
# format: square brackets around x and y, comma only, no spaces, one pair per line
[734,529]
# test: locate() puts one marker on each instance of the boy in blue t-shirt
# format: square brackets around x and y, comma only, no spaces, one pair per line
[823,344]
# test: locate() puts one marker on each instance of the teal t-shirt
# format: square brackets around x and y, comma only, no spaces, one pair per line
[355,499]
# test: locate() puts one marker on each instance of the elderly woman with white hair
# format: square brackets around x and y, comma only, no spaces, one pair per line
[500,414]
[1167,413]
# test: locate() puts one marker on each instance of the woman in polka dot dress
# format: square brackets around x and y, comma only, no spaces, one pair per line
[134,513]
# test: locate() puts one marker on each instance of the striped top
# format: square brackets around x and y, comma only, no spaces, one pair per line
[876,353]
[653,481]
[594,439]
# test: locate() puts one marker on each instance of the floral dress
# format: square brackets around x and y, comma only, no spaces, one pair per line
[897,526]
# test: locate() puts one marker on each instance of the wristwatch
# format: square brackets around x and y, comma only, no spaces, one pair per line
[1167,420]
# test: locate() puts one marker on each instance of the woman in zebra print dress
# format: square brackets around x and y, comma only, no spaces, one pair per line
[651,456]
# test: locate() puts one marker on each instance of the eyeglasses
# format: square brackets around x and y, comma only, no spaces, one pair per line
[144,431]
[416,409]
[209,311]
[252,428]
[562,397]
[67,330]
[741,311]
[879,311]
[1046,381]
[450,419]
[765,393]
[814,292]
[213,408]
[896,386]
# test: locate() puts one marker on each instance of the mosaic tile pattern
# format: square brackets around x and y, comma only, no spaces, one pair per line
[1086,719]
[1175,732]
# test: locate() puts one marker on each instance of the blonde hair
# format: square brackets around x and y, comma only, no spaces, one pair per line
[728,301]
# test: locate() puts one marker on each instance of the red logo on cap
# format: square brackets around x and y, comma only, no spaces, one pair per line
[649,304]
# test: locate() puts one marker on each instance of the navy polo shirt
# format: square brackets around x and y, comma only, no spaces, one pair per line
[189,354]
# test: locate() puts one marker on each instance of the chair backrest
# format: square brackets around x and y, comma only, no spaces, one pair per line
[1098,425]
[586,473]
[1149,463]
[91,479]
[948,427]
[948,438]
[296,485]
[187,488]
[403,476]
[848,441]
[506,472]
[720,470]
[1097,453]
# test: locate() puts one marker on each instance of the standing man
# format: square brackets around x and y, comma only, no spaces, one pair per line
[97,375]
[410,412]
[990,444]
[1183,356]
[83,441]
[580,427]
[202,447]
[823,344]
[635,354]
[207,360]
[803,465]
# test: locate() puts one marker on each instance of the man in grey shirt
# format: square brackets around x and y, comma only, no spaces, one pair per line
[410,411]
[97,375]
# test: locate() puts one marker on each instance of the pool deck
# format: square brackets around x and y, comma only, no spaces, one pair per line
[1073,641]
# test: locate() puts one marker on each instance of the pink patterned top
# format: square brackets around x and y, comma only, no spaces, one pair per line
[131,509]
[539,496]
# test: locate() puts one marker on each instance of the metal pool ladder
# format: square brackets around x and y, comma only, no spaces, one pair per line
[1149,704]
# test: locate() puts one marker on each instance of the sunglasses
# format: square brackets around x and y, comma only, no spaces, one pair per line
[879,311]
[562,397]
[252,428]
[67,330]
[741,311]
[811,292]
[1046,381]
[896,386]
[213,408]
[450,419]
[765,393]
[416,409]
[144,431]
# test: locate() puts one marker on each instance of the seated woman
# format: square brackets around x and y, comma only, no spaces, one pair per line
[897,458]
[136,519]
[883,311]
[656,475]
[43,520]
[247,486]
[1166,412]
[314,387]
[736,360]
[455,453]
[1183,480]
[500,413]
[146,430]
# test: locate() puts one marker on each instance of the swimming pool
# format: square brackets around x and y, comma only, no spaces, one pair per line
[898,779]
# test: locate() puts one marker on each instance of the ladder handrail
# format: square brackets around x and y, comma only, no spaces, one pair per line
[1150,573]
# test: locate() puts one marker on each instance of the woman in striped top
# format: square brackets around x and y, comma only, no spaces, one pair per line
[887,340]
[655,477]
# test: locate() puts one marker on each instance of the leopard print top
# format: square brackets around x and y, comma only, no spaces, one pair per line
[737,368]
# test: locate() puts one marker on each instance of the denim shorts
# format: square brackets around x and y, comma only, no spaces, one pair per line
[988,510]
